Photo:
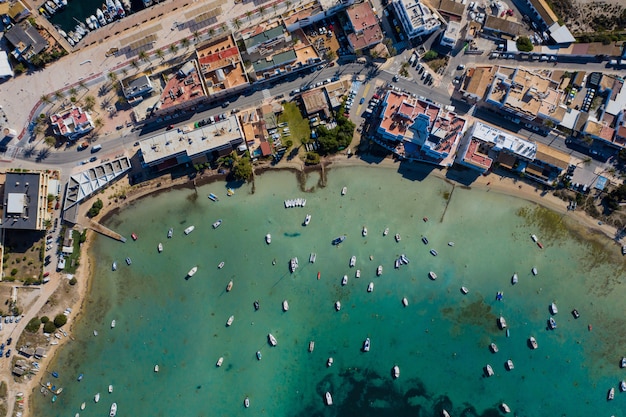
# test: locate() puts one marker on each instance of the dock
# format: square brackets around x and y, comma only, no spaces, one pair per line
[97,227]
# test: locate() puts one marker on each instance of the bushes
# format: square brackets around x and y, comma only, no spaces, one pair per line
[312,158]
[14,272]
[33,325]
[95,208]
[73,281]
[45,319]
[524,44]
[60,320]
[49,327]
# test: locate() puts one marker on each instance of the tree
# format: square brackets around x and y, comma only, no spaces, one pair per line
[330,55]
[249,15]
[160,53]
[58,95]
[196,35]
[45,99]
[173,49]
[95,208]
[185,43]
[45,319]
[33,325]
[237,22]
[112,77]
[49,327]
[312,158]
[430,55]
[242,170]
[524,44]
[50,141]
[134,63]
[90,102]
[73,91]
[82,84]
[60,320]
[262,10]
[143,56]
[98,123]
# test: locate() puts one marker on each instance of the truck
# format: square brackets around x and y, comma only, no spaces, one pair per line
[82,146]
[96,148]
[412,60]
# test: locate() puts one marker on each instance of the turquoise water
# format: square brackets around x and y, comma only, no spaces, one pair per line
[440,341]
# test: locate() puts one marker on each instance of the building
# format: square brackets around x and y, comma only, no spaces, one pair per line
[205,144]
[451,35]
[366,31]
[221,67]
[500,27]
[25,205]
[525,94]
[266,39]
[476,82]
[547,21]
[25,41]
[416,18]
[18,11]
[315,103]
[183,90]
[72,124]
[6,71]
[136,86]
[417,129]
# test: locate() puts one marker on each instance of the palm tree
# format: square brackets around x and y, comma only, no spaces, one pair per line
[90,102]
[288,4]
[50,141]
[237,22]
[134,63]
[58,95]
[185,43]
[112,76]
[45,99]
[143,56]
[82,84]
[160,53]
[262,10]
[196,35]
[249,14]
[275,6]
[73,91]
[98,123]
[211,32]
[173,49]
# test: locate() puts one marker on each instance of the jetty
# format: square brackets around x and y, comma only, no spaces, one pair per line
[97,227]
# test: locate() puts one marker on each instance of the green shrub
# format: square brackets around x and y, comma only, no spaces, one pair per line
[49,327]
[45,319]
[14,272]
[33,325]
[73,281]
[60,320]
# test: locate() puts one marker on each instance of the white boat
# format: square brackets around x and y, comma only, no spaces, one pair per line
[246,402]
[386,231]
[493,347]
[217,223]
[307,220]
[397,237]
[293,264]
[344,190]
[220,265]
[364,231]
[622,386]
[514,279]
[160,247]
[352,261]
[192,271]
[312,257]
[120,9]
[96,397]
[100,17]
[114,266]
[433,252]
[501,323]
[330,362]
[505,408]
[509,365]
[357,274]
[366,345]
[533,342]
[272,339]
[83,405]
[553,309]
[451,244]
[230,321]
[112,324]
[551,323]
[534,238]
[396,371]
[344,280]
[444,413]
[110,389]
[89,23]
[623,362]
[220,361]
[432,275]
[156,368]
[170,232]
[268,238]
[337,305]
[95,333]
[534,270]
[189,229]
[464,290]
[328,398]
[379,270]
[611,394]
[113,411]
[397,263]
[128,261]
[229,286]
[404,259]
[311,345]
[285,305]
[370,287]
[489,370]
[95,22]
[405,302]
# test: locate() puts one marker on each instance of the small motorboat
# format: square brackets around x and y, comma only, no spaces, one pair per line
[219,362]
[551,323]
[425,219]
[330,362]
[501,323]
[489,370]
[611,394]
[128,261]
[499,295]
[425,240]
[379,270]
[213,197]
[357,274]
[514,279]
[397,263]
[293,264]
[366,345]
[532,342]
[246,402]
[540,245]
[396,372]
[312,257]
[55,374]
[505,408]
[328,398]
[509,365]
[113,324]
[370,287]
[534,271]
[220,265]
[134,236]
[553,309]
[110,389]
[229,286]
[230,192]
[386,231]
[160,247]
[156,368]
[96,397]
[432,275]
[622,386]
[338,240]
[404,259]
[344,190]
[285,305]
[258,355]
[397,237]
[337,305]
[83,405]
[464,290]
[319,274]
[575,313]
[352,261]
[272,339]
[311,345]
[344,280]
[113,410]
[493,347]
[622,363]
[114,266]
[433,252]
[268,238]
[534,238]
[256,305]
[230,321]
[307,220]
[189,229]
[217,223]
[451,244]
[364,231]
[405,302]
[170,233]
[192,271]
[80,377]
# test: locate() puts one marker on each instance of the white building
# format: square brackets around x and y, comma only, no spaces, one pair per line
[451,35]
[416,18]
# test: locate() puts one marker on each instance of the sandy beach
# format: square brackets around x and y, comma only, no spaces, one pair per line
[495,183]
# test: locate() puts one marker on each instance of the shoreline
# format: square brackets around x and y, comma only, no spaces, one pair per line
[492,182]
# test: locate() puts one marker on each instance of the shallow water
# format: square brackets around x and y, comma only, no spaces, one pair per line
[440,341]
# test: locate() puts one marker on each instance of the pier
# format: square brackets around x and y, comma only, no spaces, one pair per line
[97,227]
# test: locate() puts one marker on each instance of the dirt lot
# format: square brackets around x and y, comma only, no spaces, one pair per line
[583,16]
[22,256]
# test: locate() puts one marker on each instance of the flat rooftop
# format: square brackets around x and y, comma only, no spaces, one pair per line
[502,140]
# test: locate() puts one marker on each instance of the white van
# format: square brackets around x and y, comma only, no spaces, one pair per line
[96,148]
